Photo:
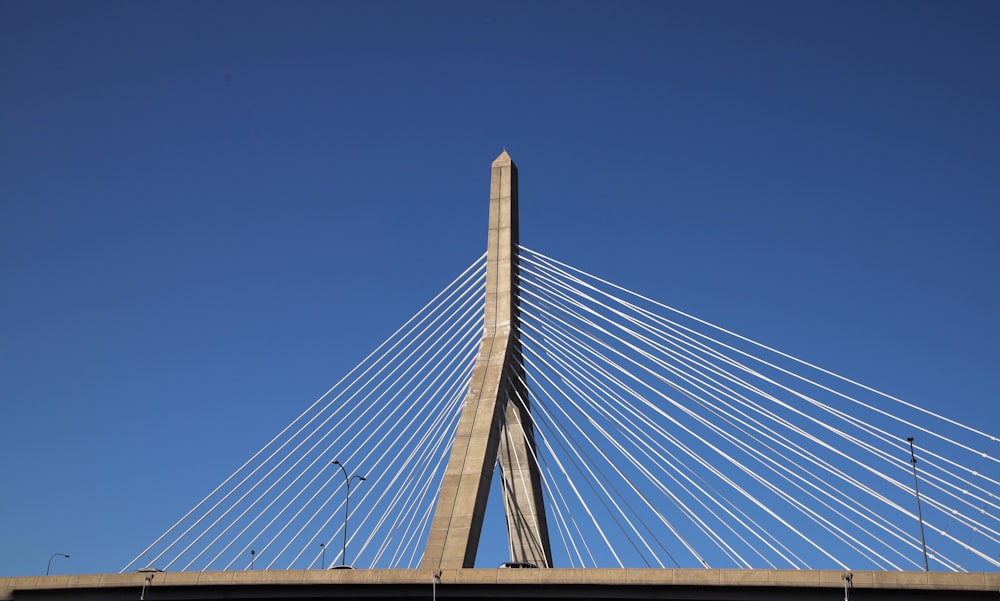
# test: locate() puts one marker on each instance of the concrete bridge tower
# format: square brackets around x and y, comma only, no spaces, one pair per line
[495,425]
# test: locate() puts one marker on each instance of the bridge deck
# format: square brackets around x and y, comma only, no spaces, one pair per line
[461,584]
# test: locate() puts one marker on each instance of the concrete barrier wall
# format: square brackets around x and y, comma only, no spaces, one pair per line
[480,583]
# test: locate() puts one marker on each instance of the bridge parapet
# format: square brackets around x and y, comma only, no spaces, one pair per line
[461,584]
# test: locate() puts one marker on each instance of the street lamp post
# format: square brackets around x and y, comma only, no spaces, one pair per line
[920,513]
[322,563]
[54,555]
[347,504]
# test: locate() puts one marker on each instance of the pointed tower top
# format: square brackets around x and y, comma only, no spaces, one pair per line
[503,158]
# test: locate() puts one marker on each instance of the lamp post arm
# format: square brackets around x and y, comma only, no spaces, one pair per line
[51,557]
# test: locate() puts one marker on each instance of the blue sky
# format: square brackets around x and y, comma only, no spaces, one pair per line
[210,212]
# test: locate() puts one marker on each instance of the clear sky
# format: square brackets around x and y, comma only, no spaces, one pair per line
[209,212]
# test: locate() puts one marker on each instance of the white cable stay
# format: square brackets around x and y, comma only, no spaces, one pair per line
[409,524]
[657,432]
[574,541]
[317,459]
[325,524]
[605,376]
[417,432]
[554,485]
[529,287]
[389,429]
[476,266]
[603,459]
[629,429]
[839,414]
[414,417]
[705,390]
[559,436]
[288,473]
[668,436]
[521,463]
[320,427]
[529,255]
[650,532]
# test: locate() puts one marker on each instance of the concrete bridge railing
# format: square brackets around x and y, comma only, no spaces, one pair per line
[461,584]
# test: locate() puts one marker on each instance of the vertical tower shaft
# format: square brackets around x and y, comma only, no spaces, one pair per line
[495,410]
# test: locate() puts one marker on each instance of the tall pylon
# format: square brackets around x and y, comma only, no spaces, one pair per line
[495,424]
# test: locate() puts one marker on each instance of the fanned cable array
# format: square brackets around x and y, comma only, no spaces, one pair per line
[662,441]
[666,441]
[391,420]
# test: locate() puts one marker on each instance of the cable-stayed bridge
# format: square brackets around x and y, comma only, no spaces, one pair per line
[662,443]
[610,431]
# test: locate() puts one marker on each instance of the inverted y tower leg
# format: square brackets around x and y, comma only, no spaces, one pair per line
[495,421]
